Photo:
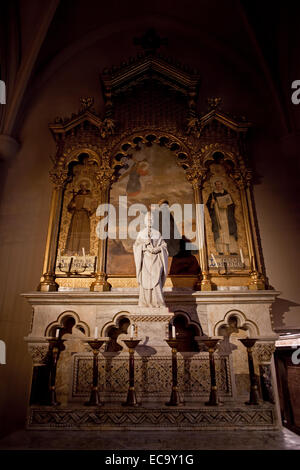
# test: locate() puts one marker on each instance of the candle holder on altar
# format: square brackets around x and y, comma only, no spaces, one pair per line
[254,397]
[55,346]
[223,271]
[68,269]
[131,395]
[95,344]
[175,399]
[211,345]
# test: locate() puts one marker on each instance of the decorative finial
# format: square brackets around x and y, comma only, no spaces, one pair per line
[150,41]
[213,103]
[86,103]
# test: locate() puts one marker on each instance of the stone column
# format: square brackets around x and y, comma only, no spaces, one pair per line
[100,284]
[264,352]
[48,283]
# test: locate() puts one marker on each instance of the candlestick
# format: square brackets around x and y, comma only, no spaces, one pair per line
[215,261]
[96,331]
[83,253]
[173,332]
[95,264]
[55,346]
[249,344]
[211,345]
[242,256]
[71,262]
[78,270]
[131,396]
[95,345]
[57,333]
[175,399]
[131,331]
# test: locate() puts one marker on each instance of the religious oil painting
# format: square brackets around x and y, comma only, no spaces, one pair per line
[225,228]
[77,248]
[151,176]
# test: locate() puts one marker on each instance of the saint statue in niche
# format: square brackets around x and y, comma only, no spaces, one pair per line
[151,261]
[221,210]
[81,207]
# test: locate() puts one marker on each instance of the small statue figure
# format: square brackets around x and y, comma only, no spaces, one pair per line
[151,261]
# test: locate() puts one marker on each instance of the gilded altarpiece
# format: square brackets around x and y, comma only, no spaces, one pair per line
[152,143]
[210,148]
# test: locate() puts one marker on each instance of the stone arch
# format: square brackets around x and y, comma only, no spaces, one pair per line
[186,330]
[188,320]
[230,153]
[113,329]
[122,149]
[242,323]
[61,322]
[115,321]
[73,152]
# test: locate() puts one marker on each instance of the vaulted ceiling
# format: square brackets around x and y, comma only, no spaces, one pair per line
[255,39]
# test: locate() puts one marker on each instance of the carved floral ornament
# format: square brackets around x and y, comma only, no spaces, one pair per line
[38,353]
[264,351]
[59,177]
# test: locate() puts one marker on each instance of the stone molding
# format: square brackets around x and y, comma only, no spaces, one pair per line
[262,417]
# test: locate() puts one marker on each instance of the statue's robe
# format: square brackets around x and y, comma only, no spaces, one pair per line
[151,261]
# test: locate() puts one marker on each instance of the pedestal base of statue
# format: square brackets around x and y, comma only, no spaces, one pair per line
[152,325]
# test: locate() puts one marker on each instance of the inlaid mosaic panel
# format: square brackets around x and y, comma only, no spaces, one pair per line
[153,376]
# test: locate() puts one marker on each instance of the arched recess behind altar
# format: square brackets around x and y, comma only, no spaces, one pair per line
[149,176]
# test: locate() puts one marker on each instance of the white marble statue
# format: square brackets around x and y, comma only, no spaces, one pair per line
[151,261]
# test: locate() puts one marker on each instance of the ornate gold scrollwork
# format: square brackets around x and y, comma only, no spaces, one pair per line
[196,174]
[194,127]
[59,177]
[107,128]
[264,351]
[214,103]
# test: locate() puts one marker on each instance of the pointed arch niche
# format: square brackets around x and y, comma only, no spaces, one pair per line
[150,175]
